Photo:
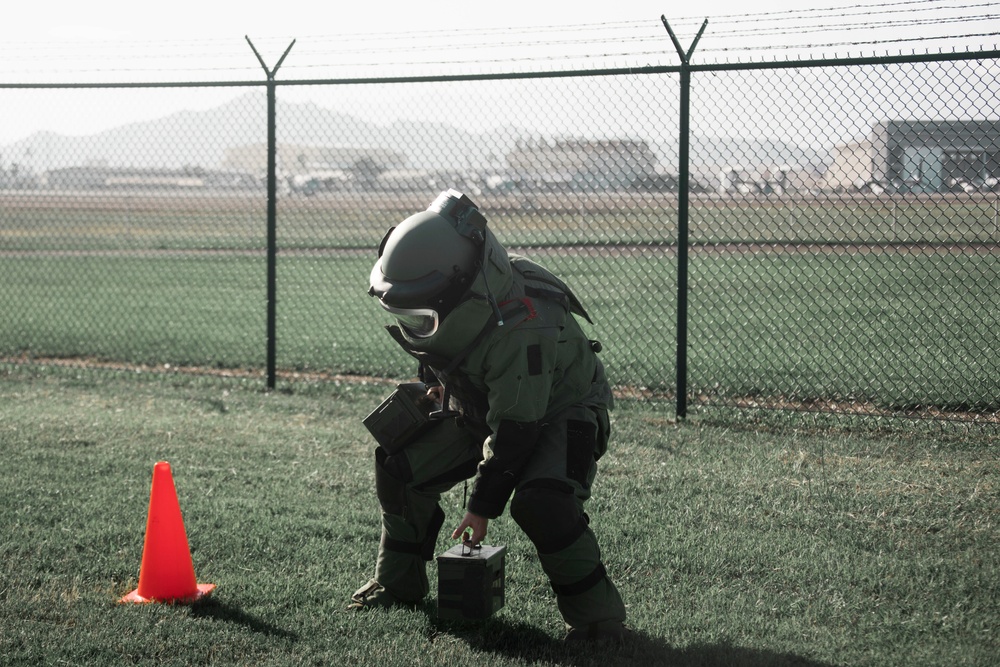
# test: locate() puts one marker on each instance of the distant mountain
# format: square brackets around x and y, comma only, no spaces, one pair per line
[201,138]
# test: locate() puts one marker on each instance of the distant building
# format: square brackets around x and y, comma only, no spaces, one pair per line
[920,157]
[18,177]
[851,167]
[318,168]
[582,164]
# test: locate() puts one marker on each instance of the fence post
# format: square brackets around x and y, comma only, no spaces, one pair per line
[683,187]
[272,217]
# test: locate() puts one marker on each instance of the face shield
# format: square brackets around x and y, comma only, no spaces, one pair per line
[418,322]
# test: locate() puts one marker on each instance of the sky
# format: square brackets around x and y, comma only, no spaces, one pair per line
[104,41]
[65,34]
[58,34]
[179,19]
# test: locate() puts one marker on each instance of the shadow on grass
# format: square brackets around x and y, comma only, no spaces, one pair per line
[522,641]
[219,611]
[653,650]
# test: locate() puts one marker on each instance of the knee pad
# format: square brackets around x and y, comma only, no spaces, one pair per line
[547,512]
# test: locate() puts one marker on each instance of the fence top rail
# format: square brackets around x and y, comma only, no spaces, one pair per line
[551,74]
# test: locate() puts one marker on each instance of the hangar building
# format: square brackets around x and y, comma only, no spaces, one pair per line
[920,157]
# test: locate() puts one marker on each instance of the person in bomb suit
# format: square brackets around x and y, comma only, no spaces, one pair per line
[497,339]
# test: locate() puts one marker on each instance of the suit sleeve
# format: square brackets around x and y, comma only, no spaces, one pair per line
[519,382]
[512,445]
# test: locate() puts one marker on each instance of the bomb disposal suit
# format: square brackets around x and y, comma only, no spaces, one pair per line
[525,410]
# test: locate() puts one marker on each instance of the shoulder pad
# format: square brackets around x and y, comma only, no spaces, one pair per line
[535,273]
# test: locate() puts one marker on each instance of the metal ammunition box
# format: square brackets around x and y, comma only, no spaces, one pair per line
[471,582]
[400,417]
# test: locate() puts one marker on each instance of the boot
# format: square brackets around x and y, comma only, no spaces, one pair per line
[375,596]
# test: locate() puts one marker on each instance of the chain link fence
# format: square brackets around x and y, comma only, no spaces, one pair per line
[842,249]
[857,274]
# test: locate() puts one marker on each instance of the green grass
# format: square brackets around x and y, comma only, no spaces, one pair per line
[903,327]
[791,540]
[897,330]
[846,220]
[121,222]
[143,310]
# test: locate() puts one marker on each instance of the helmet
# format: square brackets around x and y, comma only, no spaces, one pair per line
[428,263]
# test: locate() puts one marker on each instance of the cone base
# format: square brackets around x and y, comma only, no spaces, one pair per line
[204,590]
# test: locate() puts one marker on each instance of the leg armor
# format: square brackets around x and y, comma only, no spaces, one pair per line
[550,515]
[409,485]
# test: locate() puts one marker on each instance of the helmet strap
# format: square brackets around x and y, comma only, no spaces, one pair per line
[489,292]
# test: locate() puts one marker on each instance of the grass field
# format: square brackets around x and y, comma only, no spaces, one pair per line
[887,304]
[802,327]
[117,221]
[789,540]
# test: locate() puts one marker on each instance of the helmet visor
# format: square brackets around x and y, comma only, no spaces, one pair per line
[418,322]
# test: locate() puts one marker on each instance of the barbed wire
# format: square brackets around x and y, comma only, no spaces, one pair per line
[804,30]
[852,9]
[799,29]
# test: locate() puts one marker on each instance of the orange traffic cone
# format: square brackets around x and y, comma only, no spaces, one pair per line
[166,573]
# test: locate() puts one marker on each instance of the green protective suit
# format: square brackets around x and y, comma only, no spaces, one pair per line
[533,402]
